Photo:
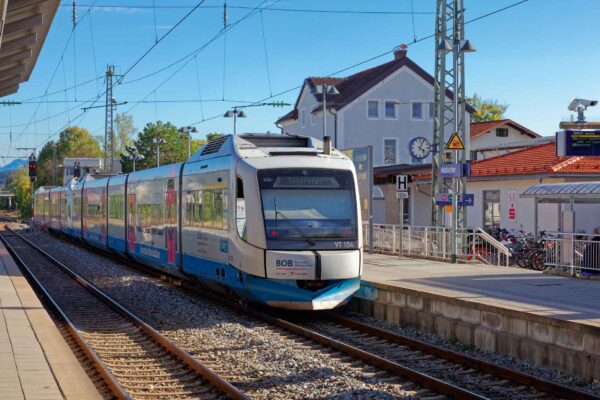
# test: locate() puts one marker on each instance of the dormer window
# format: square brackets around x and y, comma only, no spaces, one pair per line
[501,132]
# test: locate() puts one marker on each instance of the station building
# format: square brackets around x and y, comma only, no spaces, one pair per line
[497,183]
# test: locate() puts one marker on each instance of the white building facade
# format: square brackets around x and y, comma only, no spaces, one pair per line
[386,107]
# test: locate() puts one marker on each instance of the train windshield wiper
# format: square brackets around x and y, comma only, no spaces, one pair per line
[306,237]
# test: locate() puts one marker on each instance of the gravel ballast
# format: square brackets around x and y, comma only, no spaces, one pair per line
[262,360]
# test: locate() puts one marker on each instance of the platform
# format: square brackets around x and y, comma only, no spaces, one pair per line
[35,361]
[550,320]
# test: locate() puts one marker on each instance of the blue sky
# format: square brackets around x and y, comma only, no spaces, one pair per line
[535,57]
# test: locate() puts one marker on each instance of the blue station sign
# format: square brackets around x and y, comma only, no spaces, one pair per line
[445,199]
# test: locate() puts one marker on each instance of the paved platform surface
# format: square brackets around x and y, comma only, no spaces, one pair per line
[35,361]
[572,299]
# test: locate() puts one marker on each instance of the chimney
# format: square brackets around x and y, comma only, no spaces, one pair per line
[400,52]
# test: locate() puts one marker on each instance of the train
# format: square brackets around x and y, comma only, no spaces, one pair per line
[270,219]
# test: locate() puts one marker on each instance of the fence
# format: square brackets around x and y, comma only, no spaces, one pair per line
[572,251]
[435,242]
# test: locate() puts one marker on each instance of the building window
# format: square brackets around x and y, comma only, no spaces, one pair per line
[417,111]
[491,209]
[502,132]
[302,118]
[431,110]
[373,109]
[389,151]
[313,117]
[390,110]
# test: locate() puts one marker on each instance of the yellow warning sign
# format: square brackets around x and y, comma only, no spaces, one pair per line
[455,143]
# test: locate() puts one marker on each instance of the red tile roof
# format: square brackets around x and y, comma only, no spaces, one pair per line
[478,128]
[540,159]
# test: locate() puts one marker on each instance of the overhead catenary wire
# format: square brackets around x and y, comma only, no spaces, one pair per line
[264,37]
[373,58]
[115,7]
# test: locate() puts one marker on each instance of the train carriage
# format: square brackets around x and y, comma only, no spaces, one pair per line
[94,209]
[152,218]
[116,233]
[267,218]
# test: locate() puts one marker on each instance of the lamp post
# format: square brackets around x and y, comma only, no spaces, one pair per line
[235,114]
[158,143]
[324,90]
[134,156]
[189,130]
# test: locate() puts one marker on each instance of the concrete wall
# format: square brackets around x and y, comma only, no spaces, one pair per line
[570,347]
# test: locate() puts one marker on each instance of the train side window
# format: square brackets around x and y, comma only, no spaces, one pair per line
[240,214]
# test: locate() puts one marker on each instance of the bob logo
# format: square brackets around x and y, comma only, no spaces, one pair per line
[284,263]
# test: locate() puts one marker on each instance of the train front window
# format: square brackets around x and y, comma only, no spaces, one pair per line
[307,204]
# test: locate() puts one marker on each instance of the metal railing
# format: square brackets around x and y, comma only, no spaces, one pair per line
[435,242]
[574,251]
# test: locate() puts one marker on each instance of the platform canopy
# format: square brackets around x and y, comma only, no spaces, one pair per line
[573,192]
[24,25]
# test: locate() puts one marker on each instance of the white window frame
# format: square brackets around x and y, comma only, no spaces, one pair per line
[395,150]
[378,109]
[395,102]
[412,118]
[302,117]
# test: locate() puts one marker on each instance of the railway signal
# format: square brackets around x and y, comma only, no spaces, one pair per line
[32,167]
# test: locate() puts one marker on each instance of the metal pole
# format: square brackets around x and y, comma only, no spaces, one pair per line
[401,226]
[54,164]
[134,164]
[325,115]
[234,122]
[189,145]
[157,155]
[370,202]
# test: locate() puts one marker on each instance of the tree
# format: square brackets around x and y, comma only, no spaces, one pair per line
[172,151]
[72,142]
[124,133]
[213,135]
[486,109]
[21,187]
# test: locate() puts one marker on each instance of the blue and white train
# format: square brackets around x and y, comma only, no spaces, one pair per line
[273,219]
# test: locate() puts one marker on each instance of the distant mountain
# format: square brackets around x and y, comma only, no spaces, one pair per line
[12,166]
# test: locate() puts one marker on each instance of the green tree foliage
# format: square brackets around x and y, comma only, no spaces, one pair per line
[124,134]
[21,187]
[213,135]
[72,142]
[486,109]
[172,151]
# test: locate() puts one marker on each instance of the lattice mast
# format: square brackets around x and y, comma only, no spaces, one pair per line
[109,136]
[449,113]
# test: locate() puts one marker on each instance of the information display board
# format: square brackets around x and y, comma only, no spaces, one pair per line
[583,142]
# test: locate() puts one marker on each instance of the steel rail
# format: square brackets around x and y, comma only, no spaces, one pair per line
[108,377]
[506,373]
[471,362]
[427,381]
[220,383]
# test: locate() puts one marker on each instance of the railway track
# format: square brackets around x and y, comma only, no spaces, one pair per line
[440,372]
[135,361]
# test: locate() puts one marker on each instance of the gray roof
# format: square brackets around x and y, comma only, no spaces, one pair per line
[580,192]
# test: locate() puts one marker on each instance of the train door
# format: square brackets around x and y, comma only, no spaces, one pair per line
[131,221]
[171,221]
[102,215]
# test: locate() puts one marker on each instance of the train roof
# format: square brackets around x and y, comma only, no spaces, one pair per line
[261,145]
